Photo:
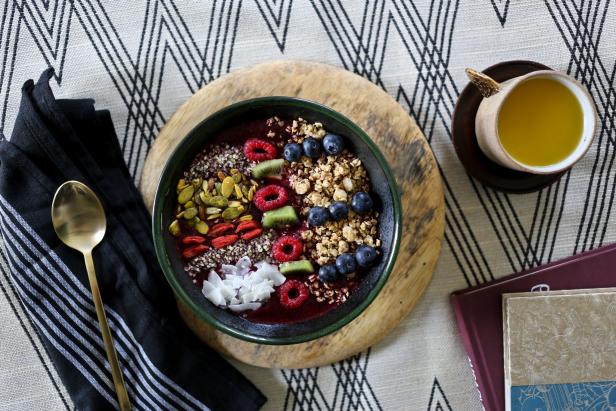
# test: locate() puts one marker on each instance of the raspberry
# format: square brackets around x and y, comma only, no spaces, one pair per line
[287,248]
[293,294]
[270,197]
[259,150]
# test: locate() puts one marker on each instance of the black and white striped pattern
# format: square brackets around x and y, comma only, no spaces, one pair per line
[142,60]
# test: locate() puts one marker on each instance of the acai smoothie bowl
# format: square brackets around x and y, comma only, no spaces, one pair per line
[276,220]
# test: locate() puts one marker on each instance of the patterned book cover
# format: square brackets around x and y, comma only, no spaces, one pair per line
[560,350]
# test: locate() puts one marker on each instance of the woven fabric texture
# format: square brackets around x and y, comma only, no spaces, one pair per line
[141,60]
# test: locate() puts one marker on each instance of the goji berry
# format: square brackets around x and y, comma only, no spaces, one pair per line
[194,251]
[219,229]
[225,240]
[192,239]
[252,234]
[246,225]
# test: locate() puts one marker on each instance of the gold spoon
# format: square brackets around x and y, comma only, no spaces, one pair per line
[79,220]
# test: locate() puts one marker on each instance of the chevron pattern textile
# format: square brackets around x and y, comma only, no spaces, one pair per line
[142,59]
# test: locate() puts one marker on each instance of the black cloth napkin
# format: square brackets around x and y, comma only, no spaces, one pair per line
[164,365]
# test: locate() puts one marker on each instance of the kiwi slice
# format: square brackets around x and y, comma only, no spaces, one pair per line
[296,267]
[280,217]
[268,168]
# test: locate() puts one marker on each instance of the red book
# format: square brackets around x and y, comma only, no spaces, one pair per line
[478,311]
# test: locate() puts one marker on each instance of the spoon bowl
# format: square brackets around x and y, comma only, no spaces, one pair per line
[78,216]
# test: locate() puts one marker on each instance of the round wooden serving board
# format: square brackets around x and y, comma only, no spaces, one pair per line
[411,160]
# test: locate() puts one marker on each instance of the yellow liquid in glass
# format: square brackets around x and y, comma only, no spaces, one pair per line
[540,122]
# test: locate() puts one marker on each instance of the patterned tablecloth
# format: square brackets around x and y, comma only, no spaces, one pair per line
[141,60]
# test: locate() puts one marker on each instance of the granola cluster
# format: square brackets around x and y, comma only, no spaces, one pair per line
[328,179]
[323,181]
[336,237]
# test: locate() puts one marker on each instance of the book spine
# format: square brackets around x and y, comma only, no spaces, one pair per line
[472,355]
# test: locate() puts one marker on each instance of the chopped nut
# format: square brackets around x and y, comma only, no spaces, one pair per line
[347,184]
[340,195]
[348,233]
[301,187]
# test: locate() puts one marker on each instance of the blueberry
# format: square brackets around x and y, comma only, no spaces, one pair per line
[339,210]
[328,273]
[361,202]
[345,263]
[312,147]
[292,152]
[365,255]
[333,144]
[318,216]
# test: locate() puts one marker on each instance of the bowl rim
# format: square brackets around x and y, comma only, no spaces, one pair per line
[171,275]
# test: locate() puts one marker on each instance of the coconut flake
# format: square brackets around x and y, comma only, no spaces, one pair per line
[216,297]
[227,269]
[244,307]
[240,288]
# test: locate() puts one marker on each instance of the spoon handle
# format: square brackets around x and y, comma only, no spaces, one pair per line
[116,372]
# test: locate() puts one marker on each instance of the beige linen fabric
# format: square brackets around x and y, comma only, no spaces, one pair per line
[141,60]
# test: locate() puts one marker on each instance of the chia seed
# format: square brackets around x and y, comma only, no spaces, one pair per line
[218,157]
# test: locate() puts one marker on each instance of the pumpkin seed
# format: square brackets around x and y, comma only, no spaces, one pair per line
[212,210]
[189,204]
[213,217]
[237,177]
[218,187]
[202,227]
[186,194]
[238,191]
[205,185]
[193,222]
[246,217]
[181,185]
[251,193]
[234,204]
[203,197]
[190,213]
[245,191]
[230,213]
[228,184]
[197,183]
[174,228]
[217,201]
[221,175]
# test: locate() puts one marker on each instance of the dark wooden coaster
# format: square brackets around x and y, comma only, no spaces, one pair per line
[465,141]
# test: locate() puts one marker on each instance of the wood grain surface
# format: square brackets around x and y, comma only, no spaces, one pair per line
[411,160]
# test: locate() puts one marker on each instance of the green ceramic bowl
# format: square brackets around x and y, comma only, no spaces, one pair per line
[384,188]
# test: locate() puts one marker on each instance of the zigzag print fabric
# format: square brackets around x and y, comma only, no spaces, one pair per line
[141,60]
